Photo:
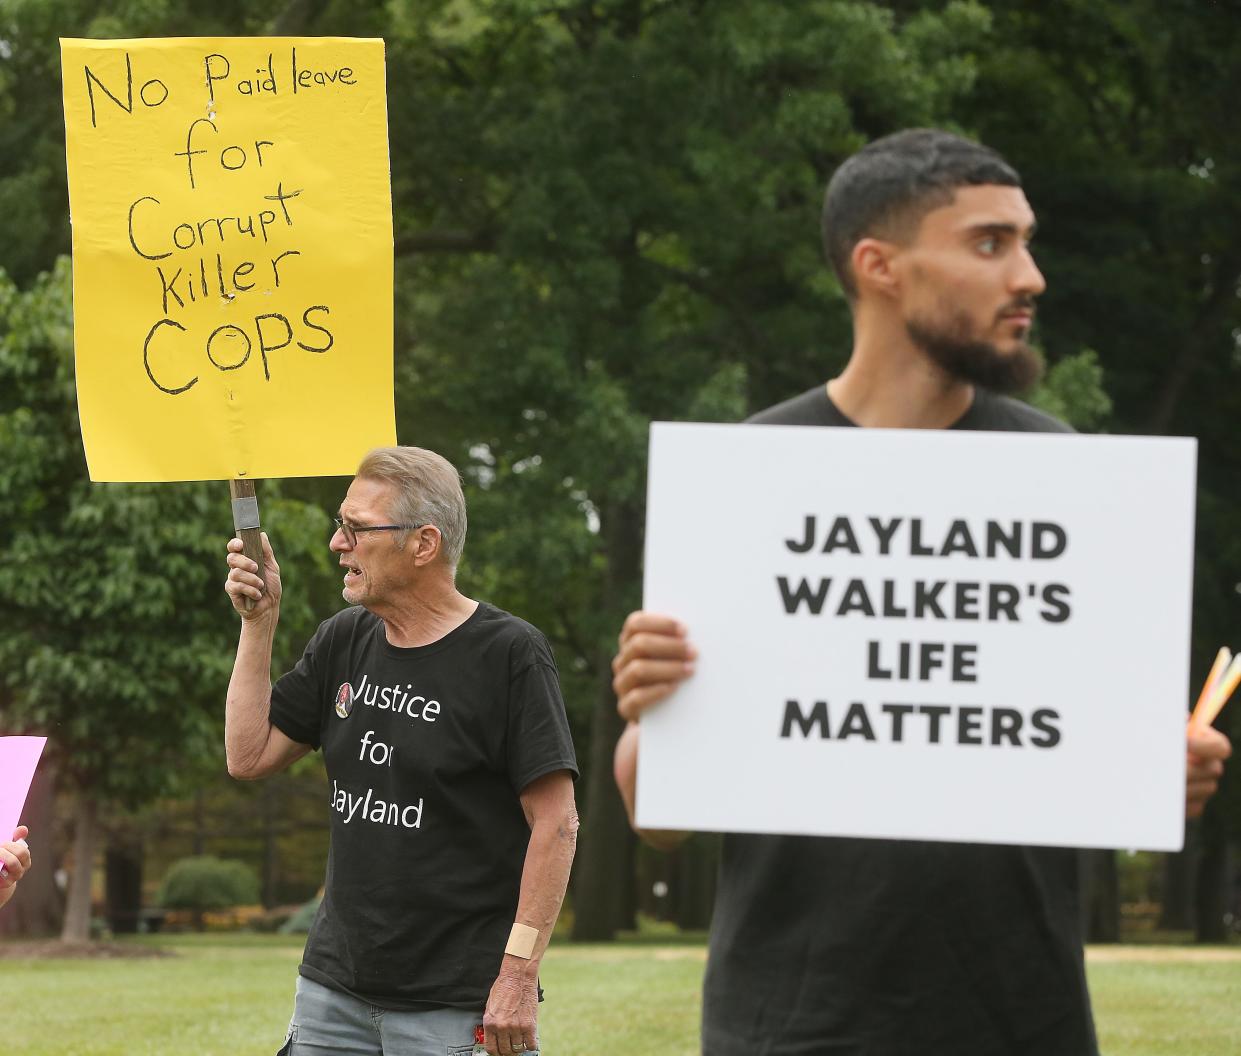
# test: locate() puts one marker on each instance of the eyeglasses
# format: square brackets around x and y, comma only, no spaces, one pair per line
[351,532]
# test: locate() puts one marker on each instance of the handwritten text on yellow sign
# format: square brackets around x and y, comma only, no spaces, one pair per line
[232,255]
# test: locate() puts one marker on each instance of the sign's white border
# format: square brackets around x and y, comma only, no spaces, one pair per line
[727,511]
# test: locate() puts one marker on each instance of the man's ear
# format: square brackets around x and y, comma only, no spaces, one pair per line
[872,262]
[426,544]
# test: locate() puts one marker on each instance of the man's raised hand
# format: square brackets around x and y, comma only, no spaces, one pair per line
[243,581]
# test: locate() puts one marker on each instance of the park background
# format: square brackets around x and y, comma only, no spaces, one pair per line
[605,213]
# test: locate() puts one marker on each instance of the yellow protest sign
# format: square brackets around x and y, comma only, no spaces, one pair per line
[232,255]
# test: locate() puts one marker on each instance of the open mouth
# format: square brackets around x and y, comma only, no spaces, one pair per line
[352,574]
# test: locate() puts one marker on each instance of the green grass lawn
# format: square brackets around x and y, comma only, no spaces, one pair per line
[230,995]
[1166,1001]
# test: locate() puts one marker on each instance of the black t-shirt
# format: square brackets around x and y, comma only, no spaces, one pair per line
[427,750]
[988,413]
[852,947]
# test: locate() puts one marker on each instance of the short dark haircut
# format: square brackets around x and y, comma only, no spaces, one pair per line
[887,187]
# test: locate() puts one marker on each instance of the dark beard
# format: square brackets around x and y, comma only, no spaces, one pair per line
[976,362]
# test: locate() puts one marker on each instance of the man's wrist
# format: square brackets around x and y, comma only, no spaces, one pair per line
[523,968]
[262,622]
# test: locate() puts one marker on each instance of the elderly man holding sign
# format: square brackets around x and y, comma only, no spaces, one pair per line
[935,945]
[451,766]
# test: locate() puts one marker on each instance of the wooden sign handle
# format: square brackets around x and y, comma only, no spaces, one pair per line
[246,524]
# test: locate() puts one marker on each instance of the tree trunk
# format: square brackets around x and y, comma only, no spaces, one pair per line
[122,867]
[1207,332]
[77,912]
[604,888]
[297,18]
[199,846]
[1211,888]
[1100,896]
[38,907]
[694,895]
[603,893]
[1177,913]
[269,808]
[651,869]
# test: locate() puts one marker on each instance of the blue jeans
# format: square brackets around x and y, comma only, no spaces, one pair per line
[328,1021]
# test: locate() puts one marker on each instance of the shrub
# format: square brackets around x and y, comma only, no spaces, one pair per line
[208,883]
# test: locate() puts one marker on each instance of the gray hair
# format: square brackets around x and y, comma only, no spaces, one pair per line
[428,491]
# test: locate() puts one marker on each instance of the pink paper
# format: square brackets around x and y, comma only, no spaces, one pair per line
[18,758]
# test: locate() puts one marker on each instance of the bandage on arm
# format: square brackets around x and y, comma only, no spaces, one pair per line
[521,941]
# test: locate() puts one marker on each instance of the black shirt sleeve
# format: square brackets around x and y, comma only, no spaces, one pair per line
[296,698]
[538,738]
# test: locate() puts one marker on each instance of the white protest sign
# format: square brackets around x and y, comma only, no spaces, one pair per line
[978,637]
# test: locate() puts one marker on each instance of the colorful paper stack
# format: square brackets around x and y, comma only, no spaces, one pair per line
[1221,682]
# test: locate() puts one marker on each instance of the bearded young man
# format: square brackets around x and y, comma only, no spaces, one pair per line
[855,947]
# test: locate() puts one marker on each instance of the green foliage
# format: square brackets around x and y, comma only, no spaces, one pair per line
[1140,876]
[208,883]
[630,193]
[276,826]
[115,634]
[1120,115]
[650,177]
[1073,391]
